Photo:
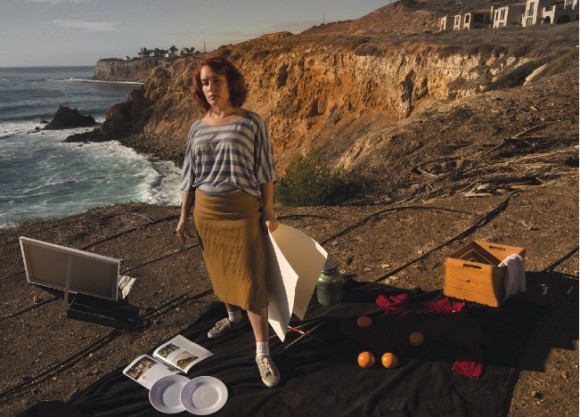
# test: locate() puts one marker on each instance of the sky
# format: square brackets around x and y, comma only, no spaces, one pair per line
[80,32]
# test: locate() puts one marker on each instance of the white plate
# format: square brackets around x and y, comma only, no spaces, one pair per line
[165,394]
[204,395]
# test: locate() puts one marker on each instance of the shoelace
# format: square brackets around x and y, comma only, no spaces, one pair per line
[266,364]
[226,323]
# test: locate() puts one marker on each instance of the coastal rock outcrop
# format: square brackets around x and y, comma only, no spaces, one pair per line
[135,70]
[67,118]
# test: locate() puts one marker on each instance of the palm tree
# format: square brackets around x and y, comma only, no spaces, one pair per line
[144,52]
[187,51]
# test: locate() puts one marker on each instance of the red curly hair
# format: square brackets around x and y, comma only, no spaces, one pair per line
[236,83]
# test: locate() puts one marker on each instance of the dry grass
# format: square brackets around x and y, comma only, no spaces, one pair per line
[509,42]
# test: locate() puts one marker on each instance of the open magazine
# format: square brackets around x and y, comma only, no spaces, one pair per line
[176,355]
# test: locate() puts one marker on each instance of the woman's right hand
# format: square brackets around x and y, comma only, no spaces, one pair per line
[183,230]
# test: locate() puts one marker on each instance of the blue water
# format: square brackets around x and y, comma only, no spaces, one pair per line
[43,177]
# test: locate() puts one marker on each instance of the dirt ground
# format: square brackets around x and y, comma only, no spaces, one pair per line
[47,356]
[392,239]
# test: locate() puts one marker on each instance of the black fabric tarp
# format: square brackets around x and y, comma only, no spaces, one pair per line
[320,375]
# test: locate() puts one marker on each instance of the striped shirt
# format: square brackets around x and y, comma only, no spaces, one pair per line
[225,158]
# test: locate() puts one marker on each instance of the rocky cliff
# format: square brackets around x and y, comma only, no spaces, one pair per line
[329,91]
[136,70]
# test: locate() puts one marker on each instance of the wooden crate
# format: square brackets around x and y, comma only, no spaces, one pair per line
[472,272]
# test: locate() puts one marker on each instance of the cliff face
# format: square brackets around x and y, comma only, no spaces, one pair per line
[119,70]
[324,92]
[314,96]
[319,95]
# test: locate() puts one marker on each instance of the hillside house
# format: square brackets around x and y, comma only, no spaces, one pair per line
[510,15]
[446,23]
[471,20]
[477,19]
[457,22]
[549,12]
[533,12]
[559,12]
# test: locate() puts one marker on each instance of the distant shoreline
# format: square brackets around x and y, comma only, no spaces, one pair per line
[126,70]
[47,66]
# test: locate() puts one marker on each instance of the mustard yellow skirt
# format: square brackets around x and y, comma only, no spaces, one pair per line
[233,243]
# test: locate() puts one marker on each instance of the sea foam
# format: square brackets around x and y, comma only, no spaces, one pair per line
[42,176]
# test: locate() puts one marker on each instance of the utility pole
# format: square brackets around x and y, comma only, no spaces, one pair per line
[323,21]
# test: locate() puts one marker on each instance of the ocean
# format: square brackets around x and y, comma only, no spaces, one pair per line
[43,177]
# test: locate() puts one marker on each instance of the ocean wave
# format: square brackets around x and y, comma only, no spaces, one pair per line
[90,80]
[165,191]
[143,179]
[9,129]
[30,128]
[48,178]
[41,175]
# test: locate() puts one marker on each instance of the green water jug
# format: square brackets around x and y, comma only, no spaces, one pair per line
[329,285]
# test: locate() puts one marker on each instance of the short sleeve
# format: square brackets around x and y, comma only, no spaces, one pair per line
[264,167]
[187,170]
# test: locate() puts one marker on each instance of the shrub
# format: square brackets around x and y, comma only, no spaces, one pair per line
[565,63]
[449,50]
[369,50]
[224,50]
[358,41]
[499,50]
[309,181]
[515,77]
[483,49]
[519,50]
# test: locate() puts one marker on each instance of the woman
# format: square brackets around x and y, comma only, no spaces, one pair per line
[229,173]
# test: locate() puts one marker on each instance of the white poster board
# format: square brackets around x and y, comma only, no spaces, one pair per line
[295,261]
[70,270]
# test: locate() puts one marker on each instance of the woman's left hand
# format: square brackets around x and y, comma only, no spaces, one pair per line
[271,221]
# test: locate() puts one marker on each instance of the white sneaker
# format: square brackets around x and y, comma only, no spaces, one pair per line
[223,326]
[268,371]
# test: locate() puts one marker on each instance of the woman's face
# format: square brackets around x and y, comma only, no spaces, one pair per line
[215,87]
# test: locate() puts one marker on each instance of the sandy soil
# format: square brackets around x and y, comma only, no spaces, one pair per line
[49,356]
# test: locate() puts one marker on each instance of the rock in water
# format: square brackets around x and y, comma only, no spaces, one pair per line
[67,118]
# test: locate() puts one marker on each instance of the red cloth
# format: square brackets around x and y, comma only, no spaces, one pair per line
[400,305]
[467,368]
[444,321]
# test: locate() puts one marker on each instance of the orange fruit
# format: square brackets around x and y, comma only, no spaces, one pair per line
[364,321]
[366,359]
[416,338]
[389,360]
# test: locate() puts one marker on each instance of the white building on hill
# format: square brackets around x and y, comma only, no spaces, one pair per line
[532,12]
[476,19]
[446,23]
[549,12]
[510,15]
